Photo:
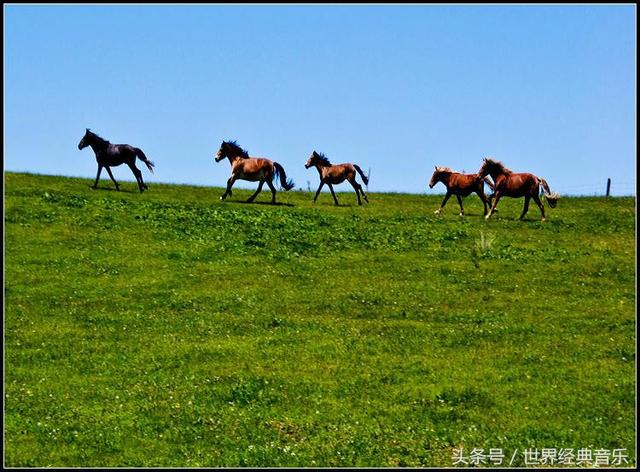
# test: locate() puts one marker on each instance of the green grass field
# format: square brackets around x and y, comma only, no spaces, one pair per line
[171,329]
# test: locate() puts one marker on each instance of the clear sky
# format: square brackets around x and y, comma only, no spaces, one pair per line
[398,89]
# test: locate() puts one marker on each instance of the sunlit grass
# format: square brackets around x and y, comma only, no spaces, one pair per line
[171,329]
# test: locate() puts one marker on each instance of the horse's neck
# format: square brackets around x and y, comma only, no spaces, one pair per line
[322,169]
[99,146]
[445,178]
[234,159]
[496,175]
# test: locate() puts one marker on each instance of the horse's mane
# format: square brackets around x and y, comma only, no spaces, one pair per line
[491,163]
[237,149]
[97,138]
[445,169]
[323,159]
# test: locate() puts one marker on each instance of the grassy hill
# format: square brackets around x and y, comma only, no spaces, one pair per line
[171,329]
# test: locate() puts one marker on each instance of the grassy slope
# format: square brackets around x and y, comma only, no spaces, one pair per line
[170,329]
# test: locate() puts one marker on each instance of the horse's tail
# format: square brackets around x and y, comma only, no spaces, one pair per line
[365,179]
[279,172]
[140,155]
[552,197]
[489,183]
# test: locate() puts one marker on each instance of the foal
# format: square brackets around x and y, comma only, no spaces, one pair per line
[108,155]
[336,174]
[460,185]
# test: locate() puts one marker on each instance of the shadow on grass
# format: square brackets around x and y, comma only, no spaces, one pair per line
[517,219]
[112,189]
[244,202]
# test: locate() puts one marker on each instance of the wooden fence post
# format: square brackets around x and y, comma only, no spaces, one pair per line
[608,186]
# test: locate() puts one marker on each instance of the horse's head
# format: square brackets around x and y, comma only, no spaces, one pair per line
[438,175]
[313,158]
[230,149]
[435,178]
[485,168]
[317,158]
[84,142]
[222,152]
[492,167]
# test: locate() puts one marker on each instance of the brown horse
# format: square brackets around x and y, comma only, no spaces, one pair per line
[460,185]
[336,174]
[516,185]
[252,169]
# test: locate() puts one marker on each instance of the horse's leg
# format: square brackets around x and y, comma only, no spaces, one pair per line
[273,191]
[138,175]
[318,191]
[460,203]
[496,199]
[483,197]
[111,175]
[359,187]
[256,192]
[355,186]
[363,194]
[332,192]
[227,191]
[525,209]
[444,202]
[536,198]
[490,198]
[95,184]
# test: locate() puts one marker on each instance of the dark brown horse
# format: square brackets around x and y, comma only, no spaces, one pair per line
[336,174]
[460,185]
[516,185]
[253,169]
[109,155]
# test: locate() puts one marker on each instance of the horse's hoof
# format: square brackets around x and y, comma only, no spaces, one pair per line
[461,214]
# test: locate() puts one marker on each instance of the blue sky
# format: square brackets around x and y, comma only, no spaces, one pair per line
[398,89]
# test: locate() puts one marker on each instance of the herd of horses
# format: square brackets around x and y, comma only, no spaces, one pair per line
[259,169]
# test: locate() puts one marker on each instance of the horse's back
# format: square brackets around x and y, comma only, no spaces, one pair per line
[517,184]
[465,183]
[338,173]
[116,154]
[253,168]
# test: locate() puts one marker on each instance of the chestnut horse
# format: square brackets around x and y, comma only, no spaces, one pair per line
[460,185]
[252,169]
[336,174]
[511,184]
[109,155]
